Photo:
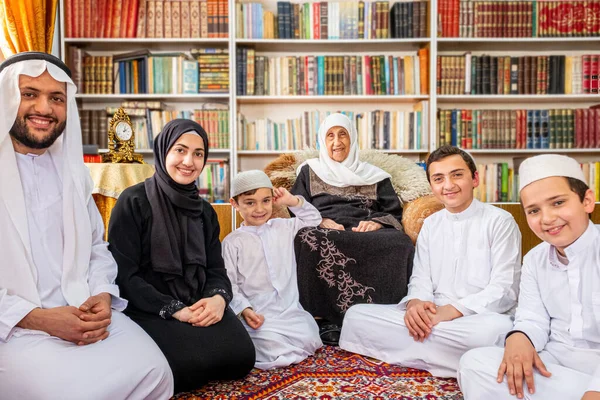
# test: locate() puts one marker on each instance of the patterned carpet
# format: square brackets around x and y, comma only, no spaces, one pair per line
[332,374]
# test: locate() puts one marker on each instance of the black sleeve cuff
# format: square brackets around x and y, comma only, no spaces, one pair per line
[167,311]
[226,296]
[511,332]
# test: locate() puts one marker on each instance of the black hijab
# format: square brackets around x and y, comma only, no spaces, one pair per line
[177,244]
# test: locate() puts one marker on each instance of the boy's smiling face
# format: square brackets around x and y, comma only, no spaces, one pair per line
[554,212]
[256,209]
[452,183]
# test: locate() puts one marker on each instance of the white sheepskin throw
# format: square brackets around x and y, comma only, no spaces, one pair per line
[409,179]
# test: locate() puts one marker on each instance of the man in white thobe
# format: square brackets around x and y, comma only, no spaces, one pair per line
[261,265]
[464,281]
[62,335]
[553,350]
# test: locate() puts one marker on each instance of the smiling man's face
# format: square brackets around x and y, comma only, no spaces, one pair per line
[42,114]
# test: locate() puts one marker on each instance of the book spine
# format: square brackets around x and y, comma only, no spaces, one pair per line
[585,131]
[141,20]
[159,19]
[195,19]
[587,71]
[124,18]
[167,17]
[185,19]
[151,19]
[594,70]
[132,15]
[204,19]
[597,130]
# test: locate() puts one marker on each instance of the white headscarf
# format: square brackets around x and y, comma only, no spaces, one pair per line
[18,274]
[351,171]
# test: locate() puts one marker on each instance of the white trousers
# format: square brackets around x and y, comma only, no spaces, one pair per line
[126,365]
[379,331]
[571,374]
[285,339]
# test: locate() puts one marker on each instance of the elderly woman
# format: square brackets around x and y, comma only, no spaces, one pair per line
[165,239]
[360,253]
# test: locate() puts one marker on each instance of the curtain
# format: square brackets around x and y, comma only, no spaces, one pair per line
[27,25]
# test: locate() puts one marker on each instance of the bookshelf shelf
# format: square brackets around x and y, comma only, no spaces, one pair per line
[121,41]
[520,98]
[338,45]
[155,44]
[150,151]
[263,152]
[531,151]
[255,108]
[328,99]
[277,152]
[115,98]
[140,151]
[587,39]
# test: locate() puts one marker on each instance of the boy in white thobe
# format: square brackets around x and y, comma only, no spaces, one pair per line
[464,280]
[260,262]
[62,335]
[553,351]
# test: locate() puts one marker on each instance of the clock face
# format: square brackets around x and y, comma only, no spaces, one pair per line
[123,131]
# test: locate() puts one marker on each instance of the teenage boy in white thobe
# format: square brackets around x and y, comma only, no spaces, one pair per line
[464,281]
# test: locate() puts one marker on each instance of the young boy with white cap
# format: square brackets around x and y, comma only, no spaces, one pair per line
[553,351]
[260,262]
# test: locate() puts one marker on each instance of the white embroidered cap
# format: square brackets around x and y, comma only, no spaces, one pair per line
[250,180]
[547,165]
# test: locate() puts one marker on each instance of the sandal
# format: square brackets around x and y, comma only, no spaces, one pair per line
[330,334]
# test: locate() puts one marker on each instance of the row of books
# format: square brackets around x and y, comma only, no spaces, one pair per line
[146,18]
[333,20]
[213,71]
[502,18]
[378,129]
[213,182]
[484,74]
[498,182]
[331,75]
[205,71]
[591,173]
[520,129]
[94,127]
[92,158]
[148,123]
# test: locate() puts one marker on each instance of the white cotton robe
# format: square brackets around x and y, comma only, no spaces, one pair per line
[559,310]
[33,364]
[470,260]
[261,265]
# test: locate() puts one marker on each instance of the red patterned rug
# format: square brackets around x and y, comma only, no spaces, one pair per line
[332,374]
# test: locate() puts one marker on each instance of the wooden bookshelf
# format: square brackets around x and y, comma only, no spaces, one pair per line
[280,108]
[329,99]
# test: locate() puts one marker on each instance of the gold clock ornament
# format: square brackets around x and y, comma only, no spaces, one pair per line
[121,140]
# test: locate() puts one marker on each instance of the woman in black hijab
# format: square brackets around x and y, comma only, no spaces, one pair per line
[165,239]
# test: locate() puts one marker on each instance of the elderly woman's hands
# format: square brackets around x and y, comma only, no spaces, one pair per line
[367,226]
[331,224]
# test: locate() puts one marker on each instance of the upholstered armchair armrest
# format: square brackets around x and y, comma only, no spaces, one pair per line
[416,211]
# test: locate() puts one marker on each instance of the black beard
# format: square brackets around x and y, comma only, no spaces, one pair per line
[20,132]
